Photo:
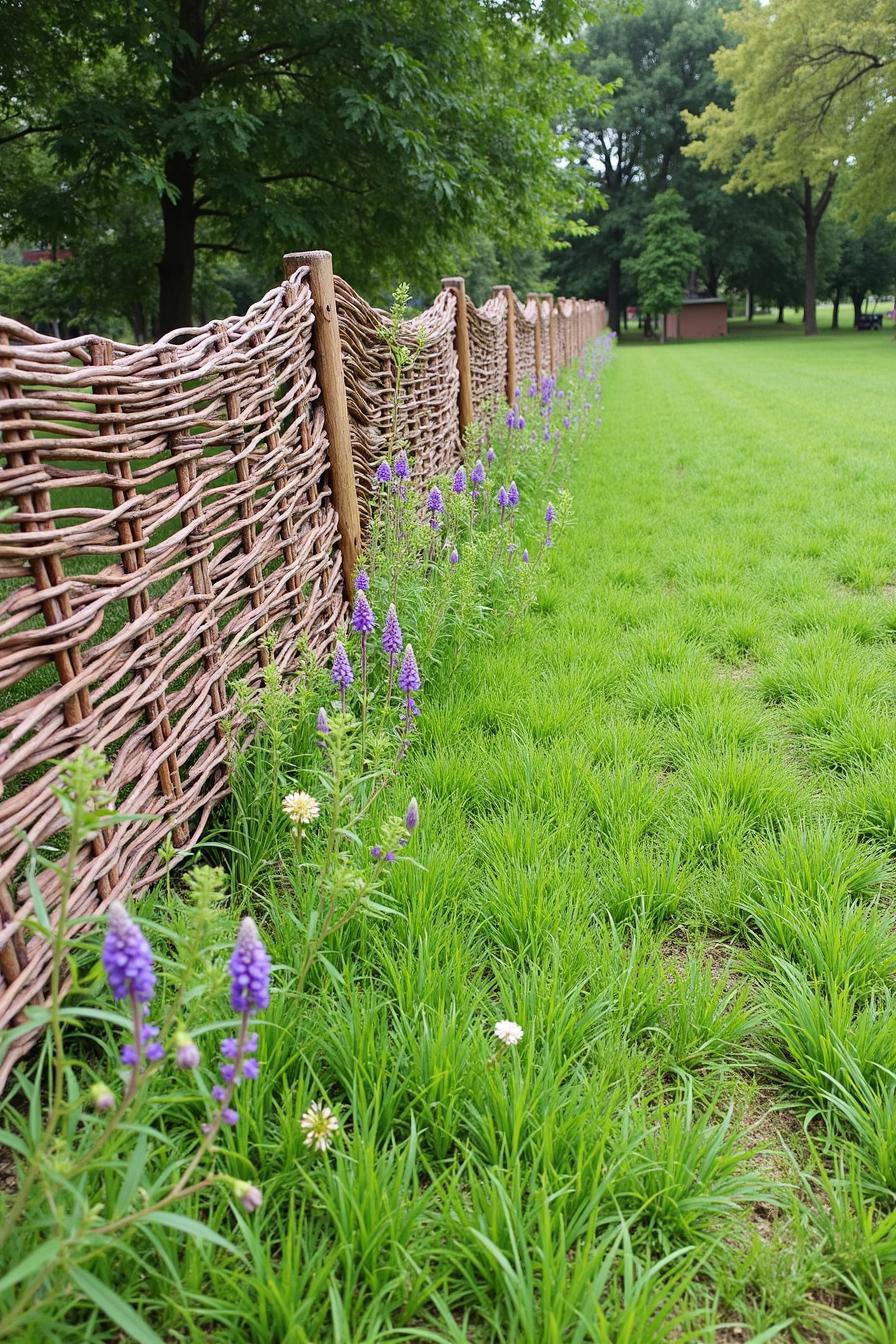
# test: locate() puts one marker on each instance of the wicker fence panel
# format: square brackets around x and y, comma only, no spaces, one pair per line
[525,344]
[488,356]
[428,415]
[172,531]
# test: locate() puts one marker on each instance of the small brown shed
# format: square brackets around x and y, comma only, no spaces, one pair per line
[697,319]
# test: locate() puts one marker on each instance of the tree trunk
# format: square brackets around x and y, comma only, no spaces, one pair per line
[178,255]
[810,320]
[780,312]
[835,315]
[614,294]
[185,86]
[858,300]
[750,305]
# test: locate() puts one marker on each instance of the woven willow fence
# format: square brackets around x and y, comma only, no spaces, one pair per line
[182,512]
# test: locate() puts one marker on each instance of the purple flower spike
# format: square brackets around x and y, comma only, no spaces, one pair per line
[511,419]
[409,676]
[384,473]
[490,456]
[127,957]
[477,475]
[323,723]
[525,557]
[412,816]
[186,1054]
[503,498]
[533,390]
[566,422]
[376,852]
[549,514]
[459,484]
[434,502]
[250,970]
[363,618]
[342,673]
[402,466]
[454,558]
[513,495]
[392,640]
[362,582]
[521,422]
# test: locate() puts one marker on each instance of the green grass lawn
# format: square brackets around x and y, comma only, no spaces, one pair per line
[659,828]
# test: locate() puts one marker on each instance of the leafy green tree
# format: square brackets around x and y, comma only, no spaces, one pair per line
[671,250]
[773,137]
[865,262]
[660,59]
[387,132]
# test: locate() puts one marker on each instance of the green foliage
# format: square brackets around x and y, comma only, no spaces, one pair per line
[392,135]
[671,249]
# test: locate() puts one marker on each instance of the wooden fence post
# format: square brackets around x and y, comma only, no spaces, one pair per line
[330,375]
[552,333]
[462,347]
[511,339]
[533,298]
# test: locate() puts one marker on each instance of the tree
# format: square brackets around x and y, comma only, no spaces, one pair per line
[671,248]
[771,138]
[660,59]
[865,262]
[390,133]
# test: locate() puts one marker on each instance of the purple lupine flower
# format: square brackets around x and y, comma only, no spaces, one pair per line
[127,957]
[412,816]
[513,495]
[409,676]
[390,856]
[502,501]
[323,723]
[229,1115]
[376,852]
[477,475]
[566,422]
[525,557]
[342,673]
[454,558]
[392,640]
[435,506]
[490,456]
[384,473]
[363,619]
[533,389]
[250,970]
[521,422]
[546,435]
[459,484]
[549,516]
[516,394]
[362,581]
[402,466]
[511,419]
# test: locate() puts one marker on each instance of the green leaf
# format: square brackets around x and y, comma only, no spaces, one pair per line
[40,1256]
[192,1227]
[114,1306]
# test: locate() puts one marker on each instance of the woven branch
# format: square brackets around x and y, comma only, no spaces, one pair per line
[172,533]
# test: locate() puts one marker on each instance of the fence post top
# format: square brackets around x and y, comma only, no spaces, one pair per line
[293,260]
[454,282]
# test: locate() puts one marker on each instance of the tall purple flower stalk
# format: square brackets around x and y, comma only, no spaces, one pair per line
[384,473]
[549,517]
[503,501]
[392,643]
[362,582]
[477,478]
[127,961]
[250,973]
[364,621]
[435,506]
[342,673]
[513,495]
[459,484]
[408,683]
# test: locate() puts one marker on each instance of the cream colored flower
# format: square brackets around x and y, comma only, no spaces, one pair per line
[319,1124]
[508,1033]
[301,808]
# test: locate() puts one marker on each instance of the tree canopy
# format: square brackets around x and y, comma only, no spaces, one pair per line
[163,133]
